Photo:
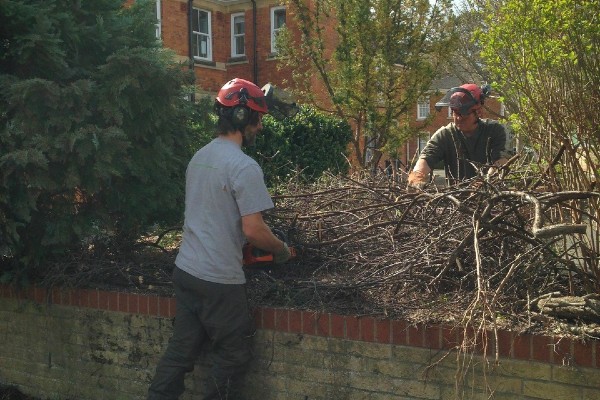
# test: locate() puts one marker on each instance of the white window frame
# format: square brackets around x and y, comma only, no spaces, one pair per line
[422,141]
[235,52]
[206,35]
[423,108]
[158,20]
[274,29]
[450,116]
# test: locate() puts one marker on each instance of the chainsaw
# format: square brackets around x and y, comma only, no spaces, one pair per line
[255,257]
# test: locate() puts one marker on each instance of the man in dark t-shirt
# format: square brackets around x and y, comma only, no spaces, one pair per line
[466,144]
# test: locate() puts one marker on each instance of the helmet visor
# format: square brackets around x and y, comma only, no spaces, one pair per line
[280,103]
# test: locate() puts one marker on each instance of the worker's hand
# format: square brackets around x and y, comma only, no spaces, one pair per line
[283,255]
[417,180]
[499,169]
[476,184]
[491,173]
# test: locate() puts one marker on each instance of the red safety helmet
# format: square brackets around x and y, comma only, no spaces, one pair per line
[240,92]
[464,99]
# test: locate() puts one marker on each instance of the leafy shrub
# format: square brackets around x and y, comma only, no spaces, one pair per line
[307,145]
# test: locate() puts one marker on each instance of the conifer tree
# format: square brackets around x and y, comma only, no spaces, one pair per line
[94,129]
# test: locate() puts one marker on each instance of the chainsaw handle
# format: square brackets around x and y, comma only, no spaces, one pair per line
[253,255]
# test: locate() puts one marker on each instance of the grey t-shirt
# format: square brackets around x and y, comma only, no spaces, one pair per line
[222,185]
[455,149]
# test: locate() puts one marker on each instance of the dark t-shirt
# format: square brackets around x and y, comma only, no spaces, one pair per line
[462,154]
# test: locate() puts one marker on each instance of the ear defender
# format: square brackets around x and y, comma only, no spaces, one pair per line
[234,104]
[239,116]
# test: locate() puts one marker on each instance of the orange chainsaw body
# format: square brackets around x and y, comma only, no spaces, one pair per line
[255,256]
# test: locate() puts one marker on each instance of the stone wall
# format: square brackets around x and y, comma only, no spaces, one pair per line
[90,344]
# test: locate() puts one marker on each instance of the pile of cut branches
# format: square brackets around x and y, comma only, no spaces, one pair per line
[477,251]
[370,246]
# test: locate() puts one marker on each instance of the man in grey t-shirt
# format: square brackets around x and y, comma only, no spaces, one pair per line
[225,195]
[466,143]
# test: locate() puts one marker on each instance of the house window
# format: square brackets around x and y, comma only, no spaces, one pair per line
[450,116]
[277,22]
[201,35]
[238,34]
[423,108]
[423,139]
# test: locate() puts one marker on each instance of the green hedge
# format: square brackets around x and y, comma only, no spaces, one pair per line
[306,146]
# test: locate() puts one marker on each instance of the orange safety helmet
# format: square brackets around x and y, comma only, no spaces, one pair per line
[240,92]
[238,100]
[465,99]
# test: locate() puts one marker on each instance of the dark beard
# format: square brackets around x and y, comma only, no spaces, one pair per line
[246,142]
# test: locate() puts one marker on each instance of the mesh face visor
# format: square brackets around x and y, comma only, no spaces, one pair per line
[280,103]
[459,99]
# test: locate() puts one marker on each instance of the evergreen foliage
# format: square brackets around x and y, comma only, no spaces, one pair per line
[94,127]
[204,122]
[306,146]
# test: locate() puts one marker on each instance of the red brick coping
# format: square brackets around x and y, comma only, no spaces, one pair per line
[541,348]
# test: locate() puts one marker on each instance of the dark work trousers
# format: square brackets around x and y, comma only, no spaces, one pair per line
[211,313]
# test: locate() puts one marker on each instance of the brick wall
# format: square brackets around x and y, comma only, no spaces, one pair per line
[90,344]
